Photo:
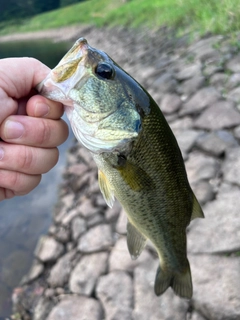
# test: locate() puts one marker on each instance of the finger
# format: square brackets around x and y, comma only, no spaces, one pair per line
[8,105]
[17,78]
[37,132]
[39,106]
[27,159]
[19,183]
[6,194]
[19,75]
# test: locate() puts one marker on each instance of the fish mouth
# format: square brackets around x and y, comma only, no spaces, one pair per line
[68,65]
[63,77]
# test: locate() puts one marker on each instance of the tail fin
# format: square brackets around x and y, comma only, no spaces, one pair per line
[180,282]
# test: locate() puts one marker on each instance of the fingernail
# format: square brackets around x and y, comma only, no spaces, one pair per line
[13,129]
[41,109]
[1,153]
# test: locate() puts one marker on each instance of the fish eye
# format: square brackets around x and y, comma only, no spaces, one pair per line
[104,70]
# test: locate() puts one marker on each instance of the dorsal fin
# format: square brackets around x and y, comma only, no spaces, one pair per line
[105,188]
[135,241]
[197,210]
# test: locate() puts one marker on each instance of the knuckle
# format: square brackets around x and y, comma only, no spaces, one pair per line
[44,135]
[27,159]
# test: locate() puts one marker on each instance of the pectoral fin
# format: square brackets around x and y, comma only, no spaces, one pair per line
[197,210]
[106,189]
[136,177]
[135,241]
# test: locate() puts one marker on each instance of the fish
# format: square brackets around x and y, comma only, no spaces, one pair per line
[138,158]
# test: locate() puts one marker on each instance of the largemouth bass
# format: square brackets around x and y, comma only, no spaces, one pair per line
[137,155]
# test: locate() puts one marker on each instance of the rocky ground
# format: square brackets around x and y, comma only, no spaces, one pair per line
[82,268]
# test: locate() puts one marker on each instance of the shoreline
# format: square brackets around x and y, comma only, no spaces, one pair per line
[57,35]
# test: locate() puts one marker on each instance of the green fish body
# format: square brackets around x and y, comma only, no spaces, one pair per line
[137,155]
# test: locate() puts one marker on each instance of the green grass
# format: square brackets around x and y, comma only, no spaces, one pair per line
[202,16]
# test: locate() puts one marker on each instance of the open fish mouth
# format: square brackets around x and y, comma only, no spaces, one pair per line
[63,77]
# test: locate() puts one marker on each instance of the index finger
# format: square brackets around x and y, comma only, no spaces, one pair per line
[17,78]
[19,75]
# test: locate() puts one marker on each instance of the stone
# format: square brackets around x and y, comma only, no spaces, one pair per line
[87,209]
[200,100]
[231,166]
[49,293]
[86,273]
[186,139]
[219,116]
[96,239]
[165,83]
[219,80]
[78,227]
[170,103]
[74,307]
[190,86]
[195,316]
[216,143]
[121,226]
[42,308]
[60,272]
[234,64]
[220,231]
[181,124]
[77,169]
[36,270]
[60,211]
[99,201]
[201,167]
[120,258]
[62,234]
[48,249]
[171,117]
[112,214]
[93,188]
[233,81]
[216,292]
[188,71]
[203,190]
[85,155]
[234,95]
[97,218]
[211,69]
[146,304]
[69,216]
[236,132]
[80,183]
[115,291]
[204,49]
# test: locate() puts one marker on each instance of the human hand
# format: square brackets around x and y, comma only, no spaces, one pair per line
[30,127]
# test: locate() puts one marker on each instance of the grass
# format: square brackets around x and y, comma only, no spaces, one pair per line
[202,16]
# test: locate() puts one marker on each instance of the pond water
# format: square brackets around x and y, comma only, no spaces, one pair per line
[24,219]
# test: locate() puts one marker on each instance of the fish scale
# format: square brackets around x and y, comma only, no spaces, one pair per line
[137,155]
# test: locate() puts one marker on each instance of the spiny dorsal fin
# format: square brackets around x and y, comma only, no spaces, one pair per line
[135,241]
[197,210]
[106,189]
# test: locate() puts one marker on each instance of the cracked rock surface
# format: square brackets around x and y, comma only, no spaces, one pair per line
[82,269]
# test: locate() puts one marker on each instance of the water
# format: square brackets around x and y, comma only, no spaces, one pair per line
[24,219]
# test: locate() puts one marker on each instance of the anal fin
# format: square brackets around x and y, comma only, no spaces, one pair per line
[135,241]
[105,188]
[197,210]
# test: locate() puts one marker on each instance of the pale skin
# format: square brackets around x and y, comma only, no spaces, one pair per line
[30,127]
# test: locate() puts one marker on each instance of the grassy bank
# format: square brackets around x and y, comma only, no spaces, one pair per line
[219,17]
